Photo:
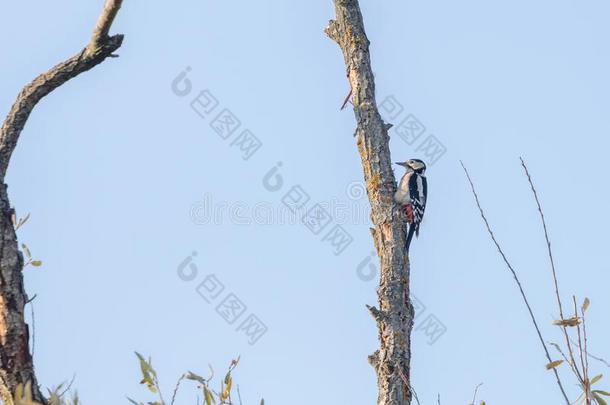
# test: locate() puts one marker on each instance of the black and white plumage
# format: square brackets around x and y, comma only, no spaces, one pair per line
[412,194]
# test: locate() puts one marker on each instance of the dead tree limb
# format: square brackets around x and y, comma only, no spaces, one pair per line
[15,359]
[395,314]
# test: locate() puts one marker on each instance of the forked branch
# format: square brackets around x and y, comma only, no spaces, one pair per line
[104,22]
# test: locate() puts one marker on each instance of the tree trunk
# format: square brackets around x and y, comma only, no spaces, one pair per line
[16,366]
[395,314]
[15,358]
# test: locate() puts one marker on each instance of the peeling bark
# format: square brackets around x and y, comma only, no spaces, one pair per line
[16,365]
[395,314]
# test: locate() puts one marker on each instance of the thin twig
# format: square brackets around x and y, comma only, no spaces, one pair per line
[239,395]
[556,346]
[579,338]
[405,380]
[586,385]
[182,377]
[346,100]
[514,273]
[68,387]
[584,334]
[33,326]
[415,396]
[159,392]
[476,390]
[552,261]
[601,360]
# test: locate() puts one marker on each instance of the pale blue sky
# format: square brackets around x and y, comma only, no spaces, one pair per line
[111,165]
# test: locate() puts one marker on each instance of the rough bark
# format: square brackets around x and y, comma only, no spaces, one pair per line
[16,365]
[395,314]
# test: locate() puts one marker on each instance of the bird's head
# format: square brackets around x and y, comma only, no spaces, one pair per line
[415,165]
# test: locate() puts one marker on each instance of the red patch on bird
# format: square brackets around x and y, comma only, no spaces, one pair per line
[409,212]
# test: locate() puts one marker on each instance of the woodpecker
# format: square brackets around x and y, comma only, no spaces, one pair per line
[412,194]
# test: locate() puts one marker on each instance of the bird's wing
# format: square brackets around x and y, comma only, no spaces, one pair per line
[418,189]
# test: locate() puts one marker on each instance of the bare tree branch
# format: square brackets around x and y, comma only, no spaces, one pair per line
[552,261]
[15,358]
[395,313]
[96,52]
[104,22]
[601,360]
[514,274]
[586,386]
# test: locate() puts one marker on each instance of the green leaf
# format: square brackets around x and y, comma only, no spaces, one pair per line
[21,222]
[554,364]
[194,377]
[599,399]
[209,399]
[600,392]
[226,391]
[26,250]
[36,263]
[585,304]
[596,378]
[143,364]
[151,369]
[148,373]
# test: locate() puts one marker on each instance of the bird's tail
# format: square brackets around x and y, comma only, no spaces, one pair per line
[412,229]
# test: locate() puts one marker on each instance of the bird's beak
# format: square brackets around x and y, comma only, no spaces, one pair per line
[403,164]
